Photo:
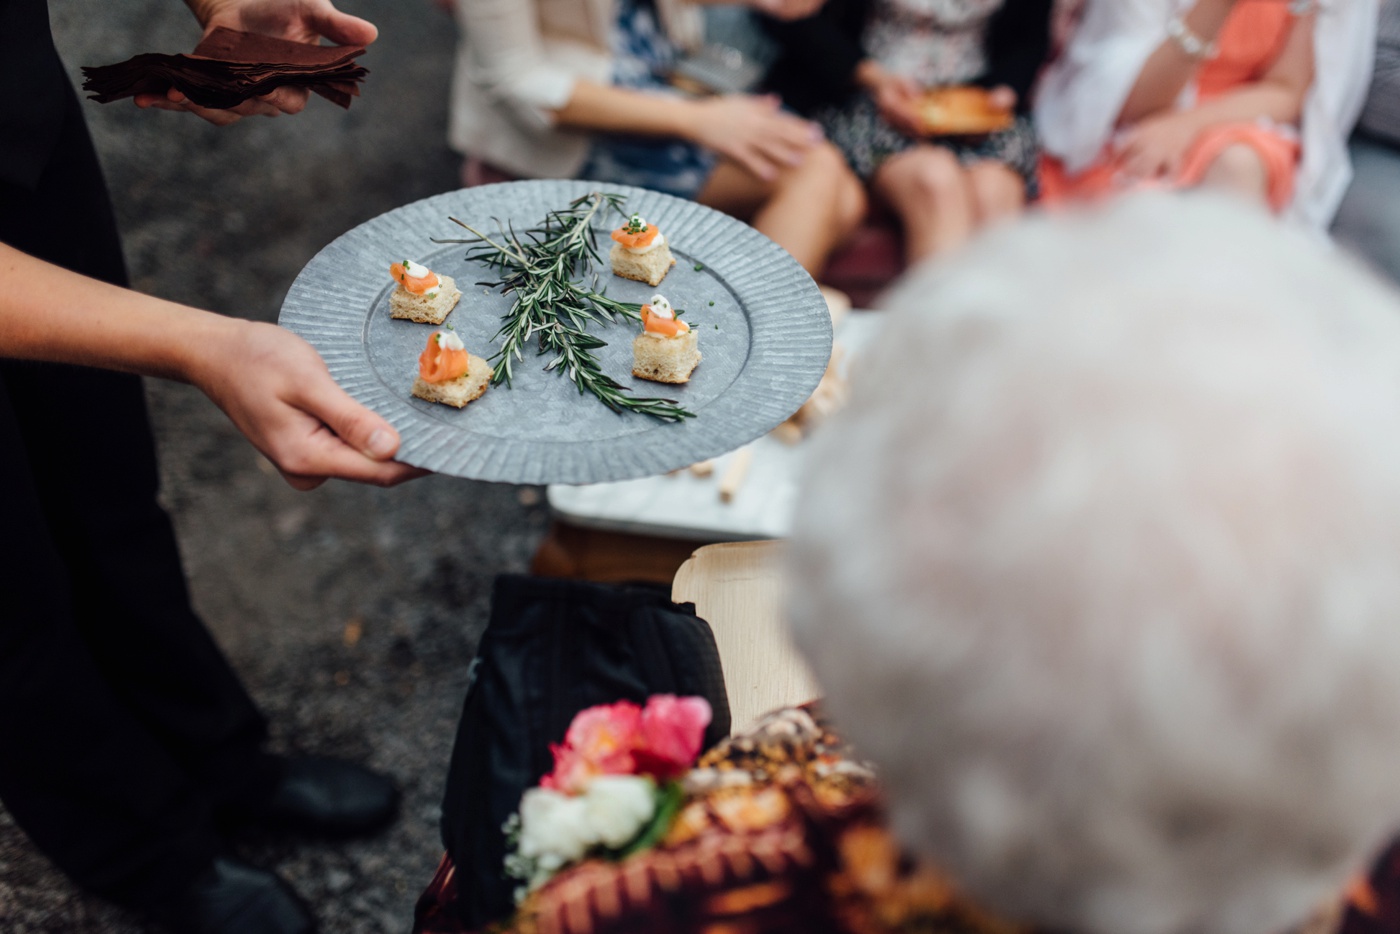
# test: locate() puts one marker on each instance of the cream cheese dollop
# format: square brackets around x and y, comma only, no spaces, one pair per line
[414,270]
[639,250]
[448,340]
[661,307]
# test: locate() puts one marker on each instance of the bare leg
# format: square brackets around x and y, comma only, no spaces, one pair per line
[929,190]
[808,210]
[998,192]
[1239,169]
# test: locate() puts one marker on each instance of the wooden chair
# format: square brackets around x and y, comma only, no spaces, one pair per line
[737,587]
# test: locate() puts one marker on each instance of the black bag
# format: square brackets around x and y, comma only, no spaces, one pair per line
[553,648]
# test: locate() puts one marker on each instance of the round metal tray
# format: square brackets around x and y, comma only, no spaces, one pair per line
[764,335]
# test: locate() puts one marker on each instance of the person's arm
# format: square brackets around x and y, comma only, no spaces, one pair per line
[1018,46]
[1157,145]
[298,20]
[752,131]
[271,383]
[778,9]
[1168,69]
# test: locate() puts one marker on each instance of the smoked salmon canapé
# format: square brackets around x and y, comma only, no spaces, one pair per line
[447,373]
[422,295]
[640,252]
[667,350]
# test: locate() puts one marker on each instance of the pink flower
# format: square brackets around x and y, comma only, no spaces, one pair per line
[623,739]
[600,741]
[672,731]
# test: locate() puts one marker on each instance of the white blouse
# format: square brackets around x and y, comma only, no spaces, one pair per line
[517,62]
[1083,92]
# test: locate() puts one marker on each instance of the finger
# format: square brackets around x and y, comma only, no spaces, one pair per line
[323,455]
[216,117]
[753,160]
[1002,97]
[302,483]
[255,107]
[286,100]
[150,102]
[340,28]
[361,429]
[782,151]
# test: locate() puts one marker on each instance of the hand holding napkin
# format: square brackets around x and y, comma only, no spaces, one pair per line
[230,67]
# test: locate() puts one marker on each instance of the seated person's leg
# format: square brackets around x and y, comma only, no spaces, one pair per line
[1369,219]
[928,188]
[809,209]
[1240,170]
[998,192]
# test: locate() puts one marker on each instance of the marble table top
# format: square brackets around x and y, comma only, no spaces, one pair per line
[689,507]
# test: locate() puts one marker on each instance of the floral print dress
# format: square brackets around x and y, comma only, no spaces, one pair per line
[642,57]
[935,43]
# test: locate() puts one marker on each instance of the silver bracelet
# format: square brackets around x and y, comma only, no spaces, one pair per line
[1193,45]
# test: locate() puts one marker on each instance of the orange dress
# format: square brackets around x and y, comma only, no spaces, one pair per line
[1252,39]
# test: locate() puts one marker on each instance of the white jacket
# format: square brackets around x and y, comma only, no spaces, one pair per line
[1083,92]
[517,62]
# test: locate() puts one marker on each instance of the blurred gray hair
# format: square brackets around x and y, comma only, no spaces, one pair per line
[1102,567]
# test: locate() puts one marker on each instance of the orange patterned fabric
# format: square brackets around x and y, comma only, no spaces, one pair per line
[1252,39]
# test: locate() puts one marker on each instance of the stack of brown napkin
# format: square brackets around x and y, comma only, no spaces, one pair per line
[230,67]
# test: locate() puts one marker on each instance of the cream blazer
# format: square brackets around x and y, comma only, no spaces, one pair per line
[517,61]
[1082,93]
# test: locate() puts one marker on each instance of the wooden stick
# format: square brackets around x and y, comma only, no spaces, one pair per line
[734,474]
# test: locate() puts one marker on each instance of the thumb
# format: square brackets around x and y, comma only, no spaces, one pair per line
[341,28]
[360,428]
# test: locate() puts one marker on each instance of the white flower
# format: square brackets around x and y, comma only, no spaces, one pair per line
[618,807]
[554,824]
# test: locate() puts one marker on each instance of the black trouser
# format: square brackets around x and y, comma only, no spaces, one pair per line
[123,731]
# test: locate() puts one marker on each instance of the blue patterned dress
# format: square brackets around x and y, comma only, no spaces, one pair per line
[642,57]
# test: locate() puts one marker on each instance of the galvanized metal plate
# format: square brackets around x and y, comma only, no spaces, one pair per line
[764,335]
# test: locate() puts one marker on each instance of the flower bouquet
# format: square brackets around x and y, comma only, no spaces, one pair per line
[613,790]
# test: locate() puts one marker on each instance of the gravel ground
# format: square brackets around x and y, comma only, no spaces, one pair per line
[351,612]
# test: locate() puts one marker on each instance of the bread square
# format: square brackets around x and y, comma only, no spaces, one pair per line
[665,359]
[404,304]
[457,392]
[649,267]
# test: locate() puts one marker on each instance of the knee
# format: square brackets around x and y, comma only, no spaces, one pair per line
[935,177]
[1238,167]
[825,168]
[998,191]
[823,163]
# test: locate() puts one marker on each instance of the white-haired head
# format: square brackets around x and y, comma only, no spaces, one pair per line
[1101,566]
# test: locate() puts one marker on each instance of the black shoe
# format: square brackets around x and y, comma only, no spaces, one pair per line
[232,897]
[329,796]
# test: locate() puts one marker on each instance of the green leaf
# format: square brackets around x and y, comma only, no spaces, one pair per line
[669,800]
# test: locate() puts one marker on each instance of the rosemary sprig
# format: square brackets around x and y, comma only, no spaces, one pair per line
[543,270]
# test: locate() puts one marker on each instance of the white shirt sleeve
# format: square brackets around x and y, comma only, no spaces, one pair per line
[508,61]
[1083,92]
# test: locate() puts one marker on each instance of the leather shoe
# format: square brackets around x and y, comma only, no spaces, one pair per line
[231,897]
[330,796]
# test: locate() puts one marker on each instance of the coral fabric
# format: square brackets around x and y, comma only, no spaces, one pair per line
[1252,39]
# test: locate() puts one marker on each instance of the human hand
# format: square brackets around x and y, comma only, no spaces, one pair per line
[306,21]
[277,391]
[1154,148]
[1002,97]
[787,9]
[898,101]
[753,131]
